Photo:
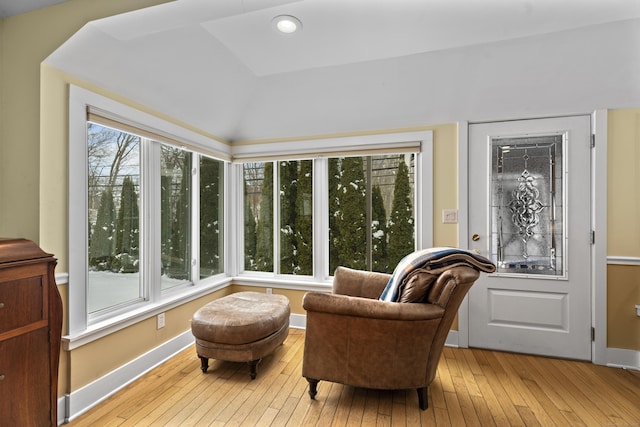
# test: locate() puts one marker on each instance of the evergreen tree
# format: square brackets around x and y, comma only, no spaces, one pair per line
[101,249]
[288,194]
[401,227]
[180,226]
[264,228]
[304,220]
[335,172]
[352,226]
[249,234]
[378,231]
[210,221]
[127,230]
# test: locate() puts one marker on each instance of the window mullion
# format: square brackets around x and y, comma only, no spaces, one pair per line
[276,218]
[234,224]
[368,212]
[320,202]
[195,217]
[151,208]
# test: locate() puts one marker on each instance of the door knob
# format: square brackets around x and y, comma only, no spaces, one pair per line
[475,237]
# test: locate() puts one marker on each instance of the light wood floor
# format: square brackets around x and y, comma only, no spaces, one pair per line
[473,387]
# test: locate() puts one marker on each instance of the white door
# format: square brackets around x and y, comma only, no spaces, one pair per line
[529,212]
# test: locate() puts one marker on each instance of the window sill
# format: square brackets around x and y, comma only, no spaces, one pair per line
[146,310]
[142,312]
[291,282]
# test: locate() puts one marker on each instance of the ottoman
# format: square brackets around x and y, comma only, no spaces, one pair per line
[241,327]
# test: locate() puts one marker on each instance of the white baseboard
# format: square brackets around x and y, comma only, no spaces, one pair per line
[62,407]
[83,399]
[622,358]
[452,339]
[298,321]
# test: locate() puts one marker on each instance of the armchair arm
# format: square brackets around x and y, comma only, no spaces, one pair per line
[345,305]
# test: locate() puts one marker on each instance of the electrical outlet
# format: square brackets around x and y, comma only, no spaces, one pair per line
[638,310]
[449,216]
[160,320]
[269,291]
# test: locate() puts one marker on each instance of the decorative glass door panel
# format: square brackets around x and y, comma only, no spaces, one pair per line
[527,205]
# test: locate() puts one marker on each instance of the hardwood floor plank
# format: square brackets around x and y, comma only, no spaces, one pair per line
[330,404]
[471,387]
[613,409]
[572,395]
[371,407]
[505,379]
[518,374]
[357,407]
[454,409]
[501,408]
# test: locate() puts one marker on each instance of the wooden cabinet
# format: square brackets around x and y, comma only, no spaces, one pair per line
[30,335]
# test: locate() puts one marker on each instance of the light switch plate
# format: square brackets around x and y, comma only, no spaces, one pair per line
[449,216]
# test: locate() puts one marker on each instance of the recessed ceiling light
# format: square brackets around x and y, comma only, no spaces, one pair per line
[286,24]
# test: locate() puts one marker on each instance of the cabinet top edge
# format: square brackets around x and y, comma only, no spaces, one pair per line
[18,249]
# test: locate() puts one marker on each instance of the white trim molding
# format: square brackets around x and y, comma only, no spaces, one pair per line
[623,358]
[623,260]
[599,227]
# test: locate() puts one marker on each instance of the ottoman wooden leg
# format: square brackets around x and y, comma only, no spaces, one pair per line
[253,366]
[204,364]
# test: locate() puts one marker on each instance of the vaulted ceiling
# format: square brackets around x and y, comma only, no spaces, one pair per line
[360,64]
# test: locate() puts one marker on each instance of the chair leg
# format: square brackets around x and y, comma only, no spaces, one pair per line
[423,394]
[204,364]
[313,387]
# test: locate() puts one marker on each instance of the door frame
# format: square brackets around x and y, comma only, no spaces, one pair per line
[598,224]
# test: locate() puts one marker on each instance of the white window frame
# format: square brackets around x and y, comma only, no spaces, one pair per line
[319,150]
[82,329]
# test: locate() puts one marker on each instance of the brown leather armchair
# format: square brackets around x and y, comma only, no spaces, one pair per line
[355,339]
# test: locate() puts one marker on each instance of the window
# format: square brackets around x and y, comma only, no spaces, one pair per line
[364,205]
[211,216]
[294,215]
[113,217]
[371,211]
[175,214]
[146,213]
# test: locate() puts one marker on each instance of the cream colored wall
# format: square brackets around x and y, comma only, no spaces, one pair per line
[623,228]
[27,40]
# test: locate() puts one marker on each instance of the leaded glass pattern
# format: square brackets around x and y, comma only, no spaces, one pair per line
[527,205]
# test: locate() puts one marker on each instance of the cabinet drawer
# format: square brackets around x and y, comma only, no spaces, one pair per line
[21,303]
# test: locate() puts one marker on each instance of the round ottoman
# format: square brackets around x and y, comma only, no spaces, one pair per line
[241,327]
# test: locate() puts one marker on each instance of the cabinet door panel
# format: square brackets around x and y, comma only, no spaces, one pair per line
[24,380]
